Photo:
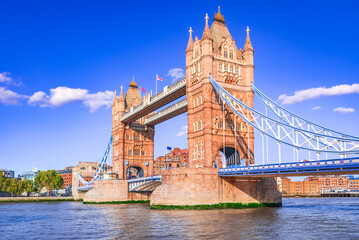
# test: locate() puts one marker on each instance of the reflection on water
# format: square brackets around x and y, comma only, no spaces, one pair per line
[313,218]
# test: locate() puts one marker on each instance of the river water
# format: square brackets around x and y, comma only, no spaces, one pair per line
[298,218]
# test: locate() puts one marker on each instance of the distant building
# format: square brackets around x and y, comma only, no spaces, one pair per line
[30,175]
[66,175]
[328,183]
[317,185]
[8,173]
[353,183]
[307,187]
[177,158]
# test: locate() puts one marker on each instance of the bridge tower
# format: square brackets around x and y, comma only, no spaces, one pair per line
[211,129]
[132,142]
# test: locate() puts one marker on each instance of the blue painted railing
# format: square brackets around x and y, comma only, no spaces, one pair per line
[329,166]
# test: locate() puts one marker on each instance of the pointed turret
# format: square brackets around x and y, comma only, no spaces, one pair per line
[206,32]
[248,44]
[133,96]
[190,41]
[121,98]
[218,16]
[115,99]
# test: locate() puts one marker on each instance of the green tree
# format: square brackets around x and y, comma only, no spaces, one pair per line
[13,186]
[49,179]
[2,181]
[27,186]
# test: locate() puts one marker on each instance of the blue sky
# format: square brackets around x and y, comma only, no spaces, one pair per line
[73,55]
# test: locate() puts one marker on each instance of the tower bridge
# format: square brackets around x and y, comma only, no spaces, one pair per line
[219,89]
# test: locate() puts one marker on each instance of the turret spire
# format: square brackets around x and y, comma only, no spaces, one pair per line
[190,41]
[218,16]
[248,44]
[121,97]
[206,32]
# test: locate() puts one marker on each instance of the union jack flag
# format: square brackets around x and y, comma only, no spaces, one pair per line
[142,89]
[158,78]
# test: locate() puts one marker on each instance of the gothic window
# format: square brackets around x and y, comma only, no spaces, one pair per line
[201,99]
[136,152]
[143,153]
[129,152]
[136,137]
[225,68]
[194,127]
[127,137]
[197,102]
[225,54]
[220,67]
[231,54]
[231,68]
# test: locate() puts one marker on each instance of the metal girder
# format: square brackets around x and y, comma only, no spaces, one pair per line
[169,94]
[288,128]
[170,112]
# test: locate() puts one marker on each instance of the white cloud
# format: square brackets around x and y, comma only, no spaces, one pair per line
[9,97]
[63,95]
[343,110]
[5,77]
[316,108]
[182,132]
[176,73]
[306,94]
[95,101]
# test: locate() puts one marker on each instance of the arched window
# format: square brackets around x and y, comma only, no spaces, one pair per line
[197,126]
[225,68]
[194,103]
[225,54]
[220,67]
[194,127]
[201,99]
[230,68]
[197,102]
[231,54]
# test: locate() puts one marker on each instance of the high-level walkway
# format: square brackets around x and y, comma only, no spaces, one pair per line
[167,95]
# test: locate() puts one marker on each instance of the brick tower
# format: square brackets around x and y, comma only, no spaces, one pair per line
[133,142]
[211,129]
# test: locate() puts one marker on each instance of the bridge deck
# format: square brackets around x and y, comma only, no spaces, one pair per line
[310,168]
[168,113]
[164,97]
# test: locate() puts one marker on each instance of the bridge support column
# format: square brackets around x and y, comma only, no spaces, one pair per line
[112,191]
[202,186]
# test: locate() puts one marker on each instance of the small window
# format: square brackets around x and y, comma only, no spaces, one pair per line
[220,67]
[225,54]
[136,137]
[231,54]
[129,152]
[136,152]
[127,137]
[93,168]
[143,153]
[201,99]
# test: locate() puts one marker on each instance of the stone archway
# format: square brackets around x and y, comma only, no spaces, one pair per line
[134,172]
[230,156]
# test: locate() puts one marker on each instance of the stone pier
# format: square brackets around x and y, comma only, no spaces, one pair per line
[202,186]
[113,191]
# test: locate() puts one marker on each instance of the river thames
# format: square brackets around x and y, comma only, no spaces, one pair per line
[298,218]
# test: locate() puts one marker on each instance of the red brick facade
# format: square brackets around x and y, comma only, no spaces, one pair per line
[177,158]
[133,142]
[209,127]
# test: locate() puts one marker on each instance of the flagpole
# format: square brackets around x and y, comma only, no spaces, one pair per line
[156,84]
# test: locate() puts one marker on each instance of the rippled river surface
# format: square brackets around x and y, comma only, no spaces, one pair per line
[298,218]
